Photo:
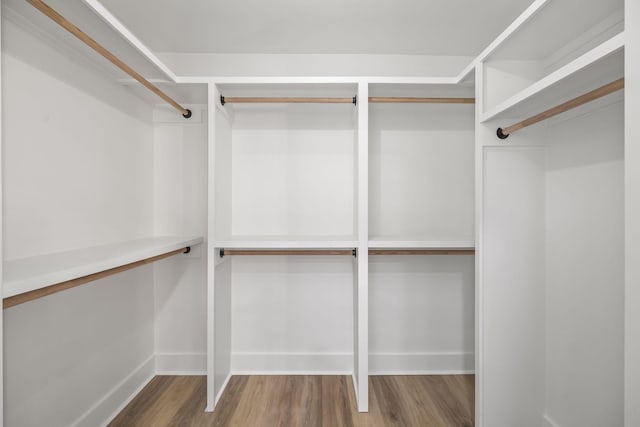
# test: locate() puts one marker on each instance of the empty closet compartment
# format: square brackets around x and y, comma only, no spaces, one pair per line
[421,314]
[291,314]
[421,244]
[285,163]
[551,300]
[421,166]
[558,37]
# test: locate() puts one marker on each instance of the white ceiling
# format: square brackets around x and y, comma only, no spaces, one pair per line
[417,27]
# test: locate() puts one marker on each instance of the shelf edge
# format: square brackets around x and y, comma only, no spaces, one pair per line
[23,285]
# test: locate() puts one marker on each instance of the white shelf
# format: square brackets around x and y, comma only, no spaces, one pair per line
[383,243]
[103,27]
[599,66]
[288,242]
[549,27]
[446,90]
[27,274]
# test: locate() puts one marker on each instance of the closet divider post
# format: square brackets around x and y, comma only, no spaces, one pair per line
[1,250]
[361,295]
[478,221]
[211,253]
[218,269]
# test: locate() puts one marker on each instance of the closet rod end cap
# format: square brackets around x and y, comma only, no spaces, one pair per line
[501,135]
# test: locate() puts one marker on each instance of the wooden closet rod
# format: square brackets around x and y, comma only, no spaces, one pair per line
[284,100]
[63,286]
[503,133]
[421,251]
[399,100]
[225,252]
[67,25]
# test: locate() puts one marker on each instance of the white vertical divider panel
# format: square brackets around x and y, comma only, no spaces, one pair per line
[218,270]
[632,214]
[479,371]
[1,248]
[211,268]
[361,353]
[510,318]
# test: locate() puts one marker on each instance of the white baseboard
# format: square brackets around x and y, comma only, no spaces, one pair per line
[106,409]
[421,363]
[548,422]
[291,363]
[181,364]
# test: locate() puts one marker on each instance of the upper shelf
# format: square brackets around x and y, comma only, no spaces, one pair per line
[600,65]
[288,242]
[288,90]
[102,31]
[388,243]
[28,274]
[84,18]
[557,29]
[460,90]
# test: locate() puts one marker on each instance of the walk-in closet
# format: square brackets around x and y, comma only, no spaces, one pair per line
[336,214]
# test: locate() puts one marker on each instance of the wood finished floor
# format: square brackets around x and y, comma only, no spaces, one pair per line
[309,401]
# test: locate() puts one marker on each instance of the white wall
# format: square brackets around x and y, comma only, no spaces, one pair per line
[421,312]
[76,356]
[292,171]
[512,287]
[185,64]
[585,269]
[292,314]
[180,208]
[78,150]
[78,171]
[421,176]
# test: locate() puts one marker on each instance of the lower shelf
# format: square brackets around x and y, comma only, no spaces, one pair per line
[29,278]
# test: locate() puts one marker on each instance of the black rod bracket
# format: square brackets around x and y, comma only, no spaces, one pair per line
[221,252]
[187,250]
[222,99]
[187,115]
[354,252]
[355,100]
[501,135]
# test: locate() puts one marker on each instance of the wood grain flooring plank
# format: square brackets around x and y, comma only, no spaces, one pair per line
[337,400]
[194,404]
[142,403]
[390,401]
[228,403]
[168,403]
[304,401]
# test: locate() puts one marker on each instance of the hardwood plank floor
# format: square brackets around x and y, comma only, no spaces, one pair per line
[309,401]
